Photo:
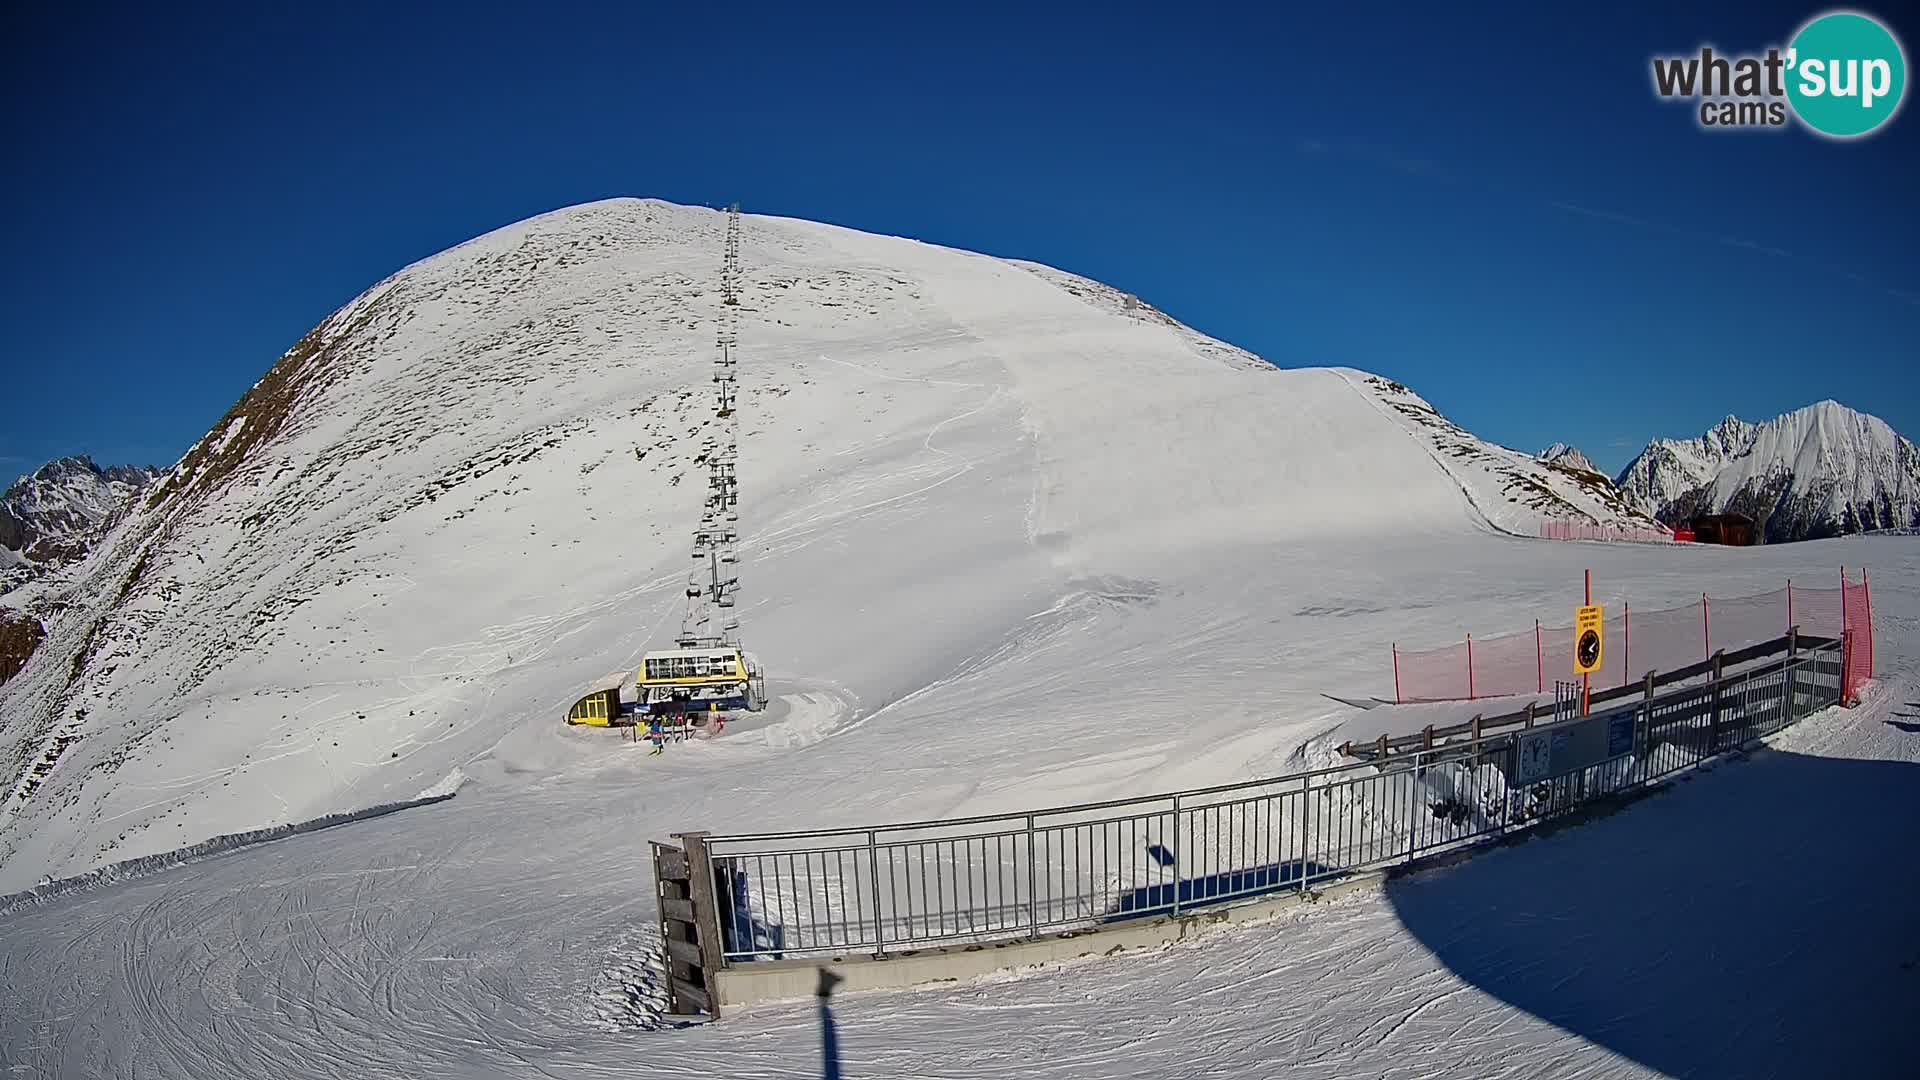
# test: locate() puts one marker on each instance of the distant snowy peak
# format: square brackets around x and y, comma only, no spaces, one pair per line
[51,515]
[1733,435]
[1823,470]
[1571,457]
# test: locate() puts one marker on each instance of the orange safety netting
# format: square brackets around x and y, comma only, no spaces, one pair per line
[1639,641]
[1559,529]
[1857,613]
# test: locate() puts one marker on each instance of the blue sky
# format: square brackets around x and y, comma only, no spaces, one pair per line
[1486,203]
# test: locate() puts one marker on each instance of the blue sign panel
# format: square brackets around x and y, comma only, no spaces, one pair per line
[1571,745]
[1620,735]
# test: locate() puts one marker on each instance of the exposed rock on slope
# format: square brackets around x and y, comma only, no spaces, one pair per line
[1511,490]
[20,634]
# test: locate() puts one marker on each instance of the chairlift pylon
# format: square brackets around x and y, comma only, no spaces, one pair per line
[725,673]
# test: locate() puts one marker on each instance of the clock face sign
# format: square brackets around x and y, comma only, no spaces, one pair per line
[1588,645]
[1589,652]
[1535,753]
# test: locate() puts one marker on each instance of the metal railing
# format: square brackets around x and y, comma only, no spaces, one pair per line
[1017,876]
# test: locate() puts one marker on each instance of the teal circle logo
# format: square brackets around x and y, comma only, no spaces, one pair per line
[1846,74]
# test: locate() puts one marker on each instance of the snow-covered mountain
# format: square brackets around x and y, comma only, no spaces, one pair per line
[1011,539]
[1570,456]
[975,493]
[1823,470]
[52,515]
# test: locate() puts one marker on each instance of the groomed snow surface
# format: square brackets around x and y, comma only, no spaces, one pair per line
[1011,540]
[1756,920]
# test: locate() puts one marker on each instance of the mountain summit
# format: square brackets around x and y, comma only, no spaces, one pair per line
[1569,456]
[52,515]
[1823,470]
[404,550]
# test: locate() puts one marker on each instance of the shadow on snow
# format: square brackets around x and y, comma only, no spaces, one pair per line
[1236,885]
[1760,921]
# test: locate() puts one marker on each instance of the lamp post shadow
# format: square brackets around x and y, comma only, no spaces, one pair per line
[1755,922]
[829,1037]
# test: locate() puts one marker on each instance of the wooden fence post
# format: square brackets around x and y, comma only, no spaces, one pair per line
[1647,696]
[1706,627]
[1846,645]
[689,978]
[705,955]
[1792,704]
[1626,642]
[1713,723]
[1646,729]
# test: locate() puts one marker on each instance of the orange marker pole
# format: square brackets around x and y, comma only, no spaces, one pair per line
[1866,597]
[1586,680]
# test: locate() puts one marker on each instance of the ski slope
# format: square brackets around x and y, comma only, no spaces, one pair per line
[508,932]
[1011,538]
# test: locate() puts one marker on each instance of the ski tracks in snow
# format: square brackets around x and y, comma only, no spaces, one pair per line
[959,466]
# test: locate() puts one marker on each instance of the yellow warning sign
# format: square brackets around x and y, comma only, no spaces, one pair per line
[1588,642]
